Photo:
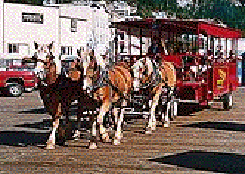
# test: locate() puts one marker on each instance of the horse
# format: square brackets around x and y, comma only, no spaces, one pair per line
[144,77]
[120,87]
[101,92]
[57,91]
[56,86]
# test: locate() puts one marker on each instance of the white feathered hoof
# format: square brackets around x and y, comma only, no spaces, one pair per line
[116,142]
[77,135]
[106,138]
[148,130]
[92,146]
[166,125]
[50,146]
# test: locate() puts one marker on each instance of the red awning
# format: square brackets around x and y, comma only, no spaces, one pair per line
[176,26]
[219,31]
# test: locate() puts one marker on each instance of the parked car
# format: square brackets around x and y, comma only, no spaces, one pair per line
[16,79]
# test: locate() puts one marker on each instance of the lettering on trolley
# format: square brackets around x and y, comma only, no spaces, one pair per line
[222,78]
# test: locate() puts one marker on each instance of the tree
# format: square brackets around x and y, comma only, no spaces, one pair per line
[222,10]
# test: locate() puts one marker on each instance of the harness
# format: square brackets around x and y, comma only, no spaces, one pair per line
[154,77]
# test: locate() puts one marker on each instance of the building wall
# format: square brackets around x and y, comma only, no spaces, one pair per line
[16,31]
[78,38]
[1,25]
[55,29]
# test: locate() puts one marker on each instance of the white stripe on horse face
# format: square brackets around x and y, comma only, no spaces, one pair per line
[137,74]
[149,64]
[58,65]
[136,70]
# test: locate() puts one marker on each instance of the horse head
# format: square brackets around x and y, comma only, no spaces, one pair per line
[89,67]
[143,70]
[43,50]
[46,62]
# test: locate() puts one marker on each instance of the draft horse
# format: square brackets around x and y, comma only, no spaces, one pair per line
[57,91]
[57,100]
[144,75]
[122,81]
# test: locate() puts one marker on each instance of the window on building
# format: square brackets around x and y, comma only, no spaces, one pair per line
[32,17]
[66,50]
[73,25]
[13,48]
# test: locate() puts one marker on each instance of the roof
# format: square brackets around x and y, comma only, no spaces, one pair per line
[176,26]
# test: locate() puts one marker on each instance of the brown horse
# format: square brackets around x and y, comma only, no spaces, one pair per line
[143,75]
[59,99]
[57,91]
[102,93]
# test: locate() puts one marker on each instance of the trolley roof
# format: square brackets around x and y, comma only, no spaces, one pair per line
[148,26]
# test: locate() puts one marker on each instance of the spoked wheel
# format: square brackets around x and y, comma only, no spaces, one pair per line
[172,108]
[167,108]
[227,101]
[161,109]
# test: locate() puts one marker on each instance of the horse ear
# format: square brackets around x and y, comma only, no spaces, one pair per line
[36,45]
[51,45]
[79,52]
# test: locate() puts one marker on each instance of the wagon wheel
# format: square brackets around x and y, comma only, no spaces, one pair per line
[167,108]
[227,101]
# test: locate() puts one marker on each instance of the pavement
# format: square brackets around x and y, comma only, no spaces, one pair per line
[206,141]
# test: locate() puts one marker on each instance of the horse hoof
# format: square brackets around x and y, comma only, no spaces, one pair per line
[49,147]
[77,135]
[106,138]
[93,146]
[149,130]
[116,142]
[166,125]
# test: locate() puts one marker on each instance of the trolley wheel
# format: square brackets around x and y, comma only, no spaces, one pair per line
[172,108]
[227,101]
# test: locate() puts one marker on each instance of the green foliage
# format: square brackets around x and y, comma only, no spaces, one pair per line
[222,10]
[35,2]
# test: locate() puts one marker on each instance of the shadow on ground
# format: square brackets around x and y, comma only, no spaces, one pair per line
[46,124]
[22,138]
[185,109]
[25,138]
[43,125]
[217,125]
[206,161]
[34,111]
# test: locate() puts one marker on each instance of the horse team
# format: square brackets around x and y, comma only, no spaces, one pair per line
[112,88]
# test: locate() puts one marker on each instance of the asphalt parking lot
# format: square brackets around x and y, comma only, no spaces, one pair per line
[206,141]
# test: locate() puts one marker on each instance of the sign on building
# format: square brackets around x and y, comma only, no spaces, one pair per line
[32,17]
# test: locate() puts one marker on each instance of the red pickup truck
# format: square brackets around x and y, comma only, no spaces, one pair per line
[17,79]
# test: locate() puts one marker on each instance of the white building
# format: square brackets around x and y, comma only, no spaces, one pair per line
[69,26]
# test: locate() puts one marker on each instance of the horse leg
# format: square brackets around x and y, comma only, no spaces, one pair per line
[51,140]
[103,109]
[80,110]
[118,134]
[152,120]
